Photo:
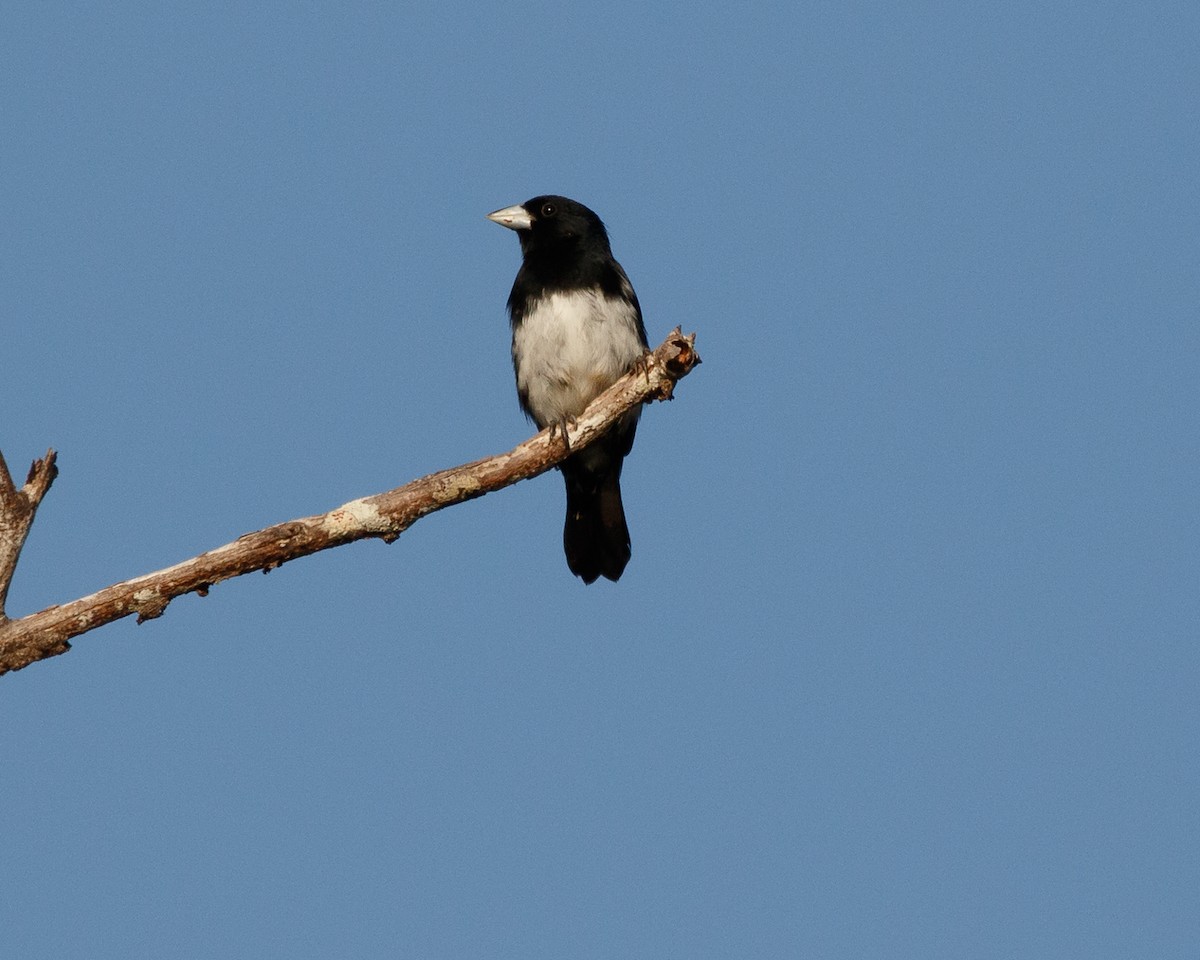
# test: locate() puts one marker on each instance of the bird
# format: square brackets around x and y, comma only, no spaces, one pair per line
[576,329]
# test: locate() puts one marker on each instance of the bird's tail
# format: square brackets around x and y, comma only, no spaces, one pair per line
[595,537]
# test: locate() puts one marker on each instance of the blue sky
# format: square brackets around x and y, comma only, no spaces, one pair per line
[905,661]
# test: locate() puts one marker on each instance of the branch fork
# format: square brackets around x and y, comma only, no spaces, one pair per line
[17,510]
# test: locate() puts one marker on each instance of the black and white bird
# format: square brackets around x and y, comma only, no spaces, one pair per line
[577,328]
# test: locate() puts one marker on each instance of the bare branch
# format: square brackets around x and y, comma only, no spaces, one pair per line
[385,516]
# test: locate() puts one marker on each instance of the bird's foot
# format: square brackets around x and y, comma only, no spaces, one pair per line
[642,365]
[560,427]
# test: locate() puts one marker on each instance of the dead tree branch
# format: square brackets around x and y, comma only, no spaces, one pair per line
[384,516]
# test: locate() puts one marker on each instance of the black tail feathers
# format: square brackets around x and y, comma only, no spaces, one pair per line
[595,537]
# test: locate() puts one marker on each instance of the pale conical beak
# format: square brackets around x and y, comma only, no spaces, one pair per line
[515,217]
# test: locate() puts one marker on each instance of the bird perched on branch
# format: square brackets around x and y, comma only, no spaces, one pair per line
[577,328]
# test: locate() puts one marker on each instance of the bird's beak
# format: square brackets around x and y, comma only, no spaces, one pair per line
[515,218]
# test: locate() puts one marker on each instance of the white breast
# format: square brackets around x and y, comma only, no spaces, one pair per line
[569,348]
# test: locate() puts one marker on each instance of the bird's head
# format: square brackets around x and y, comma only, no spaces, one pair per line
[551,224]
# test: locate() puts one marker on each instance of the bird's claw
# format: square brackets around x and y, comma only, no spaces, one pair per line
[642,365]
[560,427]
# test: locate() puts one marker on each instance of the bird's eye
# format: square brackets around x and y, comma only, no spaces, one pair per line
[549,209]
